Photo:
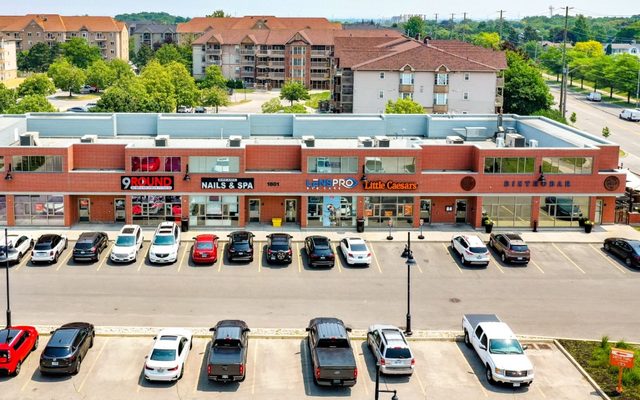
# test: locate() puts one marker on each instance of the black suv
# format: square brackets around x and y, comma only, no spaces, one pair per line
[319,251]
[90,245]
[66,348]
[279,248]
[240,246]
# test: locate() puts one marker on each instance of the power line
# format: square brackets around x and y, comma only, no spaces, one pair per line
[501,11]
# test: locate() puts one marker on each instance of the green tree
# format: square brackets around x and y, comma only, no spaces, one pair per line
[601,71]
[626,67]
[218,14]
[490,40]
[186,51]
[551,59]
[403,106]
[213,78]
[215,97]
[7,98]
[158,84]
[580,29]
[100,75]
[66,76]
[414,26]
[524,90]
[80,53]
[121,69]
[272,106]
[573,118]
[605,132]
[530,34]
[38,57]
[32,103]
[168,53]
[144,55]
[553,114]
[294,91]
[186,91]
[126,95]
[629,32]
[36,84]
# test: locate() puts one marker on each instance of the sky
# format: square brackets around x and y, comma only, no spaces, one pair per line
[372,9]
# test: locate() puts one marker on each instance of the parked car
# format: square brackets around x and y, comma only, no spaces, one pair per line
[90,105]
[630,114]
[86,89]
[510,247]
[594,96]
[185,110]
[127,244]
[355,251]
[279,248]
[227,360]
[165,243]
[48,248]
[627,249]
[200,110]
[470,249]
[165,361]
[90,246]
[66,349]
[498,348]
[78,109]
[16,343]
[390,349]
[205,249]
[319,251]
[332,357]
[240,246]
[14,247]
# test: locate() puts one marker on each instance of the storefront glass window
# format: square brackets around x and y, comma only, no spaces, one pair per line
[37,163]
[390,165]
[337,165]
[39,210]
[213,210]
[563,211]
[509,165]
[379,209]
[506,211]
[199,164]
[155,164]
[567,165]
[328,211]
[151,210]
[3,210]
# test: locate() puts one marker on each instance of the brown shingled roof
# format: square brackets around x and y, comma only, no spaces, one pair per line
[200,24]
[59,23]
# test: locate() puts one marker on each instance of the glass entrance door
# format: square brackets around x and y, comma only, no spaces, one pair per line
[290,210]
[120,213]
[84,209]
[598,216]
[425,211]
[254,210]
[461,211]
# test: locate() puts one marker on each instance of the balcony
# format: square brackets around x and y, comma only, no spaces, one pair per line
[247,52]
[247,74]
[262,52]
[262,74]
[276,52]
[247,61]
[499,101]
[405,88]
[213,51]
[440,108]
[499,82]
[440,88]
[316,76]
[320,53]
[276,63]
[347,98]
[276,75]
[319,65]
[214,61]
[100,37]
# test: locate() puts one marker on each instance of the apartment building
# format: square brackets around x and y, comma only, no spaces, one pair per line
[111,36]
[8,64]
[152,35]
[443,76]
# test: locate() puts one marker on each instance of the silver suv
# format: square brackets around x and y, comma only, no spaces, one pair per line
[390,349]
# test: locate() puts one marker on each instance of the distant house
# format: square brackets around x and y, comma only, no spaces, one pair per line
[152,35]
[8,66]
[625,48]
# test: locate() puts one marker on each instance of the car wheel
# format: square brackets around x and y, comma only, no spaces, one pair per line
[35,345]
[91,342]
[491,243]
[489,375]
[467,342]
[77,369]
[191,345]
[463,260]
[607,247]
[181,372]
[55,259]
[503,257]
[20,255]
[66,243]
[627,261]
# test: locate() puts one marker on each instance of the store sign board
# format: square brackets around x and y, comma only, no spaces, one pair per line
[151,182]
[227,183]
[332,183]
[389,185]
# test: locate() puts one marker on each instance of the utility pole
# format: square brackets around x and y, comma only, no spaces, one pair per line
[435,30]
[451,30]
[464,24]
[551,11]
[563,84]
[501,12]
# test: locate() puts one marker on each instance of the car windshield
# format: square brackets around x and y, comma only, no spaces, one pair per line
[43,246]
[241,245]
[204,246]
[479,250]
[56,351]
[398,352]
[125,241]
[84,245]
[164,240]
[358,247]
[279,246]
[163,355]
[519,247]
[7,335]
[504,346]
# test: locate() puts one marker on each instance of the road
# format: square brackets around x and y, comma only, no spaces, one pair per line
[568,290]
[592,117]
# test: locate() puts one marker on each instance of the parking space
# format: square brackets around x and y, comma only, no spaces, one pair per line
[281,368]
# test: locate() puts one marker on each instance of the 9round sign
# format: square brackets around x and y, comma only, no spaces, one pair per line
[146,183]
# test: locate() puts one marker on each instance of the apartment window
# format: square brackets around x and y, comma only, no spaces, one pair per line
[297,62]
[465,96]
[406,96]
[442,79]
[1,163]
[381,94]
[155,164]
[38,34]
[3,209]
[509,165]
[297,73]
[467,76]
[406,79]
[334,165]
[29,34]
[113,43]
[440,99]
[567,165]
[199,164]
[37,163]
[298,50]
[84,35]
[381,75]
[390,165]
[421,89]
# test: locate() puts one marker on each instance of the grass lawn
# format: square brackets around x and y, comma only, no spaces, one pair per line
[244,90]
[594,358]
[315,97]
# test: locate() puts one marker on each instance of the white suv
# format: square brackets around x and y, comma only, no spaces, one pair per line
[165,243]
[390,349]
[470,249]
[127,244]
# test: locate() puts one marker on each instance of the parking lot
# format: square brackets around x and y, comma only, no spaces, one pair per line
[280,368]
[568,290]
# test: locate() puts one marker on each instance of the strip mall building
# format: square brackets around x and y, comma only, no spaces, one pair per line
[312,171]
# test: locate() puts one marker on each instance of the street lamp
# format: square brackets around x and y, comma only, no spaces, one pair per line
[378,390]
[409,262]
[6,257]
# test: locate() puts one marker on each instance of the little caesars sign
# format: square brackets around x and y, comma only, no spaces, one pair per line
[226,183]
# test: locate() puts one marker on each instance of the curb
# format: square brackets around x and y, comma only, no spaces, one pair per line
[581,370]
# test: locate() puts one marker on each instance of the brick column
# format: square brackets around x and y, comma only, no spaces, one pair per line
[11,214]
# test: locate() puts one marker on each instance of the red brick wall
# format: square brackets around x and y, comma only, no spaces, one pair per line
[461,157]
[101,209]
[273,158]
[96,156]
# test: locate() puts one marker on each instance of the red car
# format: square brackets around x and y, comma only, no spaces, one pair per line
[16,343]
[205,249]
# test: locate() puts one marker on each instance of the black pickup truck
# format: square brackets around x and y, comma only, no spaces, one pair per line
[227,361]
[332,358]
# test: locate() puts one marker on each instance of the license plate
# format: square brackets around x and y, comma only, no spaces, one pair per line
[516,384]
[479,257]
[322,258]
[54,363]
[360,257]
[519,258]
[240,253]
[225,376]
[336,381]
[160,369]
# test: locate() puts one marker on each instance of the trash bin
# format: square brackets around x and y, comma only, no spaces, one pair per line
[360,224]
[185,224]
[276,221]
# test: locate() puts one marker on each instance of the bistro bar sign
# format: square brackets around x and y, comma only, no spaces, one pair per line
[226,183]
[538,183]
[389,185]
[146,182]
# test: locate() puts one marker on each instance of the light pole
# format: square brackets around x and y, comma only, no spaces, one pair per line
[378,390]
[6,255]
[410,261]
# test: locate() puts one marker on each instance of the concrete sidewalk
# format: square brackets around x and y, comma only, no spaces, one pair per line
[432,233]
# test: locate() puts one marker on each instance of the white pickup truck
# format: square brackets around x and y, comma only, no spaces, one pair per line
[498,348]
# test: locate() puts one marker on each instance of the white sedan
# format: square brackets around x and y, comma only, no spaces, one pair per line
[18,246]
[166,359]
[355,251]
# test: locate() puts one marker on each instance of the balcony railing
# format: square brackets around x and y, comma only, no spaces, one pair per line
[213,51]
[276,63]
[100,37]
[441,89]
[315,75]
[247,74]
[262,52]
[276,52]
[500,82]
[214,61]
[499,101]
[319,65]
[247,52]
[276,75]
[320,53]
[347,98]
[440,108]
[405,88]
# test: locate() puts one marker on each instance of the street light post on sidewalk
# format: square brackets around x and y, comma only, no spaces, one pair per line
[410,261]
[378,390]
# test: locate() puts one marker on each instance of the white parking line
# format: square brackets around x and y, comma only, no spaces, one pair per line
[567,257]
[606,257]
[65,260]
[359,365]
[104,259]
[299,258]
[255,367]
[375,257]
[25,260]
[146,255]
[184,252]
[451,258]
[536,265]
